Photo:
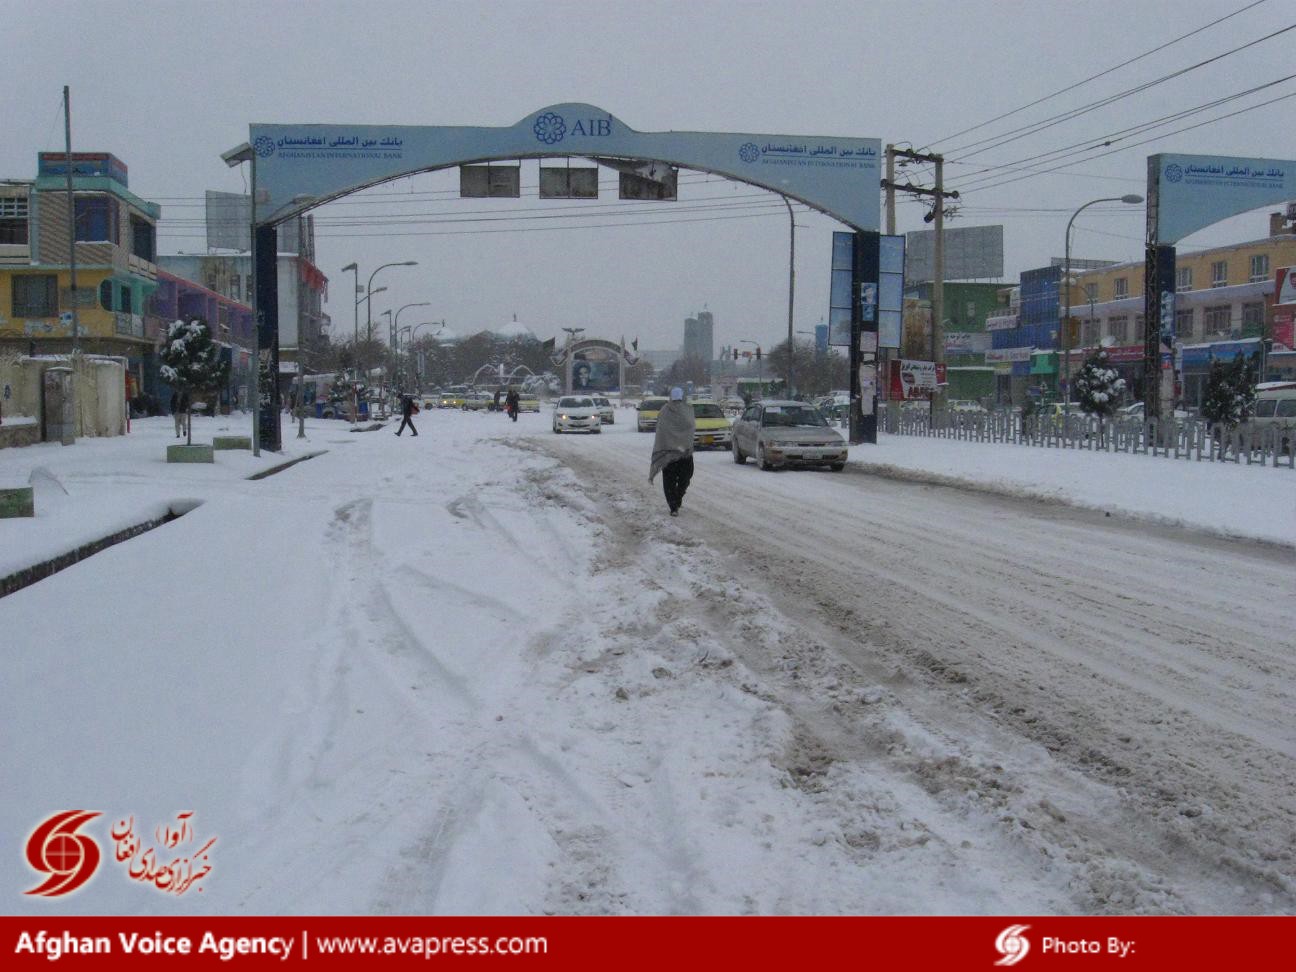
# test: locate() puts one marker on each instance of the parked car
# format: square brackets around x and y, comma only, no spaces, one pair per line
[452,397]
[647,417]
[967,405]
[1136,411]
[478,402]
[527,402]
[606,412]
[577,413]
[1276,408]
[787,433]
[711,429]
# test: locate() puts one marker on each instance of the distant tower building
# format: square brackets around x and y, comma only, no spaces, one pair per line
[699,336]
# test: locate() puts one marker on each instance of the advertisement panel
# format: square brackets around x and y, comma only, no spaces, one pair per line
[915,380]
[1285,286]
[596,370]
[1190,192]
[971,253]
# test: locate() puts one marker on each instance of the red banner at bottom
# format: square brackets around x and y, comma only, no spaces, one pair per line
[654,943]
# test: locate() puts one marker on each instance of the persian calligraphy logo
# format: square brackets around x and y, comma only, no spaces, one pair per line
[1174,172]
[550,128]
[68,859]
[264,145]
[1012,945]
[749,152]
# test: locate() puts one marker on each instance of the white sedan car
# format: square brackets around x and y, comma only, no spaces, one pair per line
[577,413]
[606,411]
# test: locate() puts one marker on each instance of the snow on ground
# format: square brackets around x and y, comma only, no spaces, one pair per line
[477,672]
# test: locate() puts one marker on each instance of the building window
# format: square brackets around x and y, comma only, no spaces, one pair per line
[1118,328]
[35,295]
[1259,267]
[1183,278]
[106,295]
[1219,273]
[96,219]
[143,239]
[127,300]
[1184,324]
[236,287]
[1089,333]
[1217,321]
[13,220]
[1253,319]
[1091,291]
[1122,287]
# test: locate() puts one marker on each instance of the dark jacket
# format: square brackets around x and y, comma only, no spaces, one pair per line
[512,399]
[407,406]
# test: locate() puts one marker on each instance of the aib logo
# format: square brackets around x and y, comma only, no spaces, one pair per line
[1173,172]
[264,145]
[1012,945]
[68,859]
[551,129]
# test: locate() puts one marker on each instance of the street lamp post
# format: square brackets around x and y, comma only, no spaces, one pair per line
[236,157]
[791,287]
[1131,199]
[355,335]
[369,287]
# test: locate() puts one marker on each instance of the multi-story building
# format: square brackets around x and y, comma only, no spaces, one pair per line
[699,336]
[114,235]
[1224,299]
[303,288]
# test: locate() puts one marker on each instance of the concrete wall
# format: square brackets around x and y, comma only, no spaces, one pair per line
[100,390]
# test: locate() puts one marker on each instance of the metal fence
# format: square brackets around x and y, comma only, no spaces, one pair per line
[1171,438]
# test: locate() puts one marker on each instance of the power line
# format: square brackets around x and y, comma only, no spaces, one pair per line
[1036,127]
[1125,148]
[1101,74]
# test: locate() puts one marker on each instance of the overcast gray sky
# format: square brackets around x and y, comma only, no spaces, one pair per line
[169,86]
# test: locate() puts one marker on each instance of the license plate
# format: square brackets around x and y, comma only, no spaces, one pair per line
[708,440]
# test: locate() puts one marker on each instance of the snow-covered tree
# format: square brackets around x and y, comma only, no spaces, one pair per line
[191,362]
[1098,386]
[1230,392]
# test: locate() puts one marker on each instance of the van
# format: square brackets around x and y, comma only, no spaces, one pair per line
[1275,407]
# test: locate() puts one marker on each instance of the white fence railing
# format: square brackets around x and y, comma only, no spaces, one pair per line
[1171,438]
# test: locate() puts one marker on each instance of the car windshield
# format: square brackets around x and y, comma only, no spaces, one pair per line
[789,416]
[651,404]
[576,403]
[601,401]
[707,410]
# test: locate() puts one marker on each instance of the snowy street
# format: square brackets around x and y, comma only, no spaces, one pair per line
[480,671]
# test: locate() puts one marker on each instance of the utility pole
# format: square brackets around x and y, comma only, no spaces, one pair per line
[791,291]
[71,204]
[936,216]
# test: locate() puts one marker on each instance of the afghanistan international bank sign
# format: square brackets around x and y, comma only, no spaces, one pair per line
[301,166]
[1190,192]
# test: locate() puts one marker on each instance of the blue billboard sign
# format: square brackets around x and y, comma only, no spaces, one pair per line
[1190,192]
[301,166]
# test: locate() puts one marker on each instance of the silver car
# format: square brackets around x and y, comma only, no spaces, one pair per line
[606,412]
[786,433]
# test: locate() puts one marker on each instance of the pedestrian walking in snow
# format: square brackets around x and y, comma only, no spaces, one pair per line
[511,403]
[672,454]
[180,412]
[409,408]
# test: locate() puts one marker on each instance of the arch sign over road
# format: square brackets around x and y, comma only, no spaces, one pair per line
[301,166]
[296,168]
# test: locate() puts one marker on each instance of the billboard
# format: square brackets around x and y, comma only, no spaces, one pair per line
[915,380]
[971,253]
[1285,286]
[1190,192]
[839,289]
[490,181]
[595,370]
[229,220]
[568,183]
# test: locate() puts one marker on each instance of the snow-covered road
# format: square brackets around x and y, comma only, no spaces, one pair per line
[480,671]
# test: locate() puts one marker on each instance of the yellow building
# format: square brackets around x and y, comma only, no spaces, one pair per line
[116,253]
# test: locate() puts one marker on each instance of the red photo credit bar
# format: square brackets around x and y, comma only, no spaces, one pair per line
[623,943]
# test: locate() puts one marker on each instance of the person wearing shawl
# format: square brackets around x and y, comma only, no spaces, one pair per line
[672,454]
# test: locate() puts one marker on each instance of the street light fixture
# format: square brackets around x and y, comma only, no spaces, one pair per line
[1130,199]
[369,286]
